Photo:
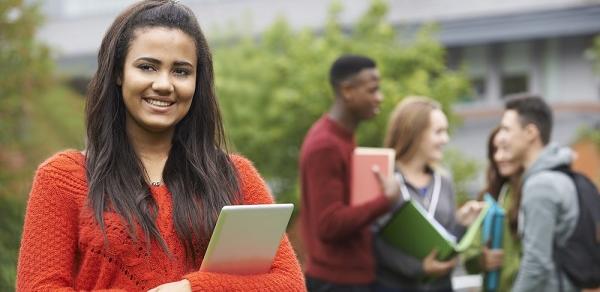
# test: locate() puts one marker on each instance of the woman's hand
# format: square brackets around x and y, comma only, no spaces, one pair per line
[467,214]
[433,267]
[179,286]
[492,259]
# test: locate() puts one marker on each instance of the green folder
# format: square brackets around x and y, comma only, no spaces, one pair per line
[414,232]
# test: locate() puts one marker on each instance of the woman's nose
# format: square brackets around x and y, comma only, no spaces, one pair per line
[162,83]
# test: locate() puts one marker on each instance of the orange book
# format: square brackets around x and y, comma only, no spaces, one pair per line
[365,186]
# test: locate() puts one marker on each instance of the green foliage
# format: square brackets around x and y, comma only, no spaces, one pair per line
[12,210]
[54,122]
[464,171]
[588,133]
[37,119]
[18,52]
[272,89]
[24,65]
[25,68]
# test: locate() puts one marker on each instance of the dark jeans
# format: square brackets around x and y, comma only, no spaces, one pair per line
[318,285]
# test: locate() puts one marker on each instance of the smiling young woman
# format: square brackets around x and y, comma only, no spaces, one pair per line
[135,210]
[418,131]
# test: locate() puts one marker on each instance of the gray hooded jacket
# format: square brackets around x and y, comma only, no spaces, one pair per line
[548,214]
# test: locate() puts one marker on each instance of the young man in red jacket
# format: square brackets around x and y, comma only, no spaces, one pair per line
[336,235]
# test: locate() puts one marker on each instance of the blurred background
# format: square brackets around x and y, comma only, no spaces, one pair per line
[271,63]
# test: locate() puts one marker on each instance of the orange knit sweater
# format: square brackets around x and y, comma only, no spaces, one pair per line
[63,249]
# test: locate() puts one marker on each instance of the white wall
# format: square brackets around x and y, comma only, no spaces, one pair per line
[447,9]
[577,81]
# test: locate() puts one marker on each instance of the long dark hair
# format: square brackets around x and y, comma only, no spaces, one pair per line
[198,172]
[495,181]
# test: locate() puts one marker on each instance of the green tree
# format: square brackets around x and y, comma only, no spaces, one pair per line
[11,219]
[272,89]
[464,171]
[22,68]
[37,117]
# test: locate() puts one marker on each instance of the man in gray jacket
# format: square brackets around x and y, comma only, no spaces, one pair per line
[549,207]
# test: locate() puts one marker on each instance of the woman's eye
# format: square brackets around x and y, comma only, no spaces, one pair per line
[146,67]
[182,72]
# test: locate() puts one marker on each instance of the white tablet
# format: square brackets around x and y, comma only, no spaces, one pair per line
[246,238]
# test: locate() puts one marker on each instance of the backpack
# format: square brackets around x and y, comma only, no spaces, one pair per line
[579,258]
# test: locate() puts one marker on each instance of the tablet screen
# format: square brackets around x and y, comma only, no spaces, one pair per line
[246,238]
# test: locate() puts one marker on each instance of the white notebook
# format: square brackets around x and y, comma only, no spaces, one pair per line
[246,238]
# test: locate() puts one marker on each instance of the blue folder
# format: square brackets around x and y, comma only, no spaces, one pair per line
[491,234]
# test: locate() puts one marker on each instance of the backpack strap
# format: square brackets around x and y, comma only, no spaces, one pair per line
[566,169]
[559,270]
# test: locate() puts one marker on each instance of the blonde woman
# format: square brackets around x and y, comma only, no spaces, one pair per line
[418,131]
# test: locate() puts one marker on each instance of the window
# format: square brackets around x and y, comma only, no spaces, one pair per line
[514,84]
[477,91]
[478,87]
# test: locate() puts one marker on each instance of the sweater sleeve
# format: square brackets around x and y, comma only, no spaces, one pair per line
[285,274]
[49,241]
[324,177]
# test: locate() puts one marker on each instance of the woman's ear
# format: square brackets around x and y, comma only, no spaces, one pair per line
[119,82]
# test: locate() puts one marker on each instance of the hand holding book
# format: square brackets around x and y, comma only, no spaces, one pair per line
[435,268]
[372,175]
[492,259]
[389,185]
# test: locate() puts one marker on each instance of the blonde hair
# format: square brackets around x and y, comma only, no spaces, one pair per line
[408,123]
